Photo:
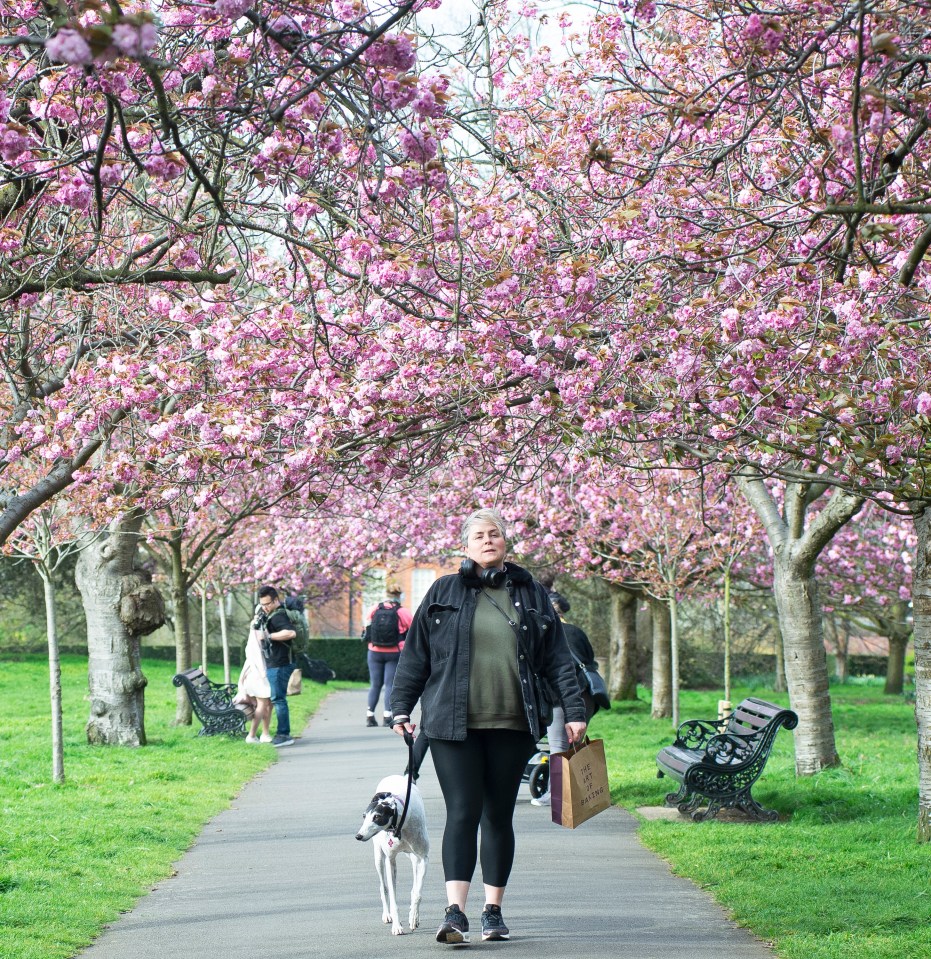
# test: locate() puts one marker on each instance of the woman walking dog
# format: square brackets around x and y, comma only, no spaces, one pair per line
[481,649]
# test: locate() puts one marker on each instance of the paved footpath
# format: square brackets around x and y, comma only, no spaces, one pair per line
[281,875]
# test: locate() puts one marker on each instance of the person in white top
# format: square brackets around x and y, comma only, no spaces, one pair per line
[254,688]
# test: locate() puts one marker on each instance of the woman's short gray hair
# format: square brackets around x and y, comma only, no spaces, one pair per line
[483,516]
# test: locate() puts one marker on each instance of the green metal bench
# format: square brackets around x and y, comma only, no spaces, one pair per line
[213,704]
[718,760]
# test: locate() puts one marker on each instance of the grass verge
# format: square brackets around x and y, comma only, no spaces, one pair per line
[842,874]
[72,857]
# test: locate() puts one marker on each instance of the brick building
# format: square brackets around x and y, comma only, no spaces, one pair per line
[346,616]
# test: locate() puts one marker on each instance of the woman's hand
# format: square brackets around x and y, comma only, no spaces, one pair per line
[575,732]
[400,729]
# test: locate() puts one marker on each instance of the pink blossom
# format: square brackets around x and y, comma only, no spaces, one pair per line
[232,9]
[285,24]
[923,404]
[164,166]
[13,142]
[135,40]
[772,39]
[753,29]
[68,46]
[418,145]
[396,52]
[645,10]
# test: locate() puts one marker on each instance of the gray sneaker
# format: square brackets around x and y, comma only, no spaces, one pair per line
[455,927]
[281,740]
[493,926]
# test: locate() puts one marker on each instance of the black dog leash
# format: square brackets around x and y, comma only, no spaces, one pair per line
[409,739]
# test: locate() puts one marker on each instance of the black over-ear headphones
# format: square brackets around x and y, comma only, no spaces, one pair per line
[487,577]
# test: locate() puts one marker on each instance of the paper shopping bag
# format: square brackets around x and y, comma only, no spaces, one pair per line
[579,784]
[294,682]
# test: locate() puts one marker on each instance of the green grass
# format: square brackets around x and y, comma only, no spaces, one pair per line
[72,857]
[842,874]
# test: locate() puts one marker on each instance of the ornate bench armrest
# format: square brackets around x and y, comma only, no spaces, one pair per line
[220,695]
[729,748]
[694,733]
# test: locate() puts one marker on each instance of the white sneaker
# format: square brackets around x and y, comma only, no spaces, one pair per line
[543,800]
[265,738]
[252,739]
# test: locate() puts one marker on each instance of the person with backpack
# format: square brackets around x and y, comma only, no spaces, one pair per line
[388,624]
[278,635]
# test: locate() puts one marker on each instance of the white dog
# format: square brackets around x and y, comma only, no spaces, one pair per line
[380,821]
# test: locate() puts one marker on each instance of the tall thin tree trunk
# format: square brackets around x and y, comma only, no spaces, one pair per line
[727,633]
[779,680]
[54,676]
[674,657]
[662,674]
[203,629]
[352,606]
[622,660]
[104,576]
[224,637]
[179,600]
[842,656]
[921,610]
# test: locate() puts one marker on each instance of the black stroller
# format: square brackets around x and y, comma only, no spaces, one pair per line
[537,771]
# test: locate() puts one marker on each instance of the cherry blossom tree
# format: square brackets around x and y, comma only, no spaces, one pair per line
[867,572]
[751,201]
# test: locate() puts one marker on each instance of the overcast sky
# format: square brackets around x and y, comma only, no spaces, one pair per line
[455,15]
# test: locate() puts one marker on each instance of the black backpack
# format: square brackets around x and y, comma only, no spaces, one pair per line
[384,630]
[315,669]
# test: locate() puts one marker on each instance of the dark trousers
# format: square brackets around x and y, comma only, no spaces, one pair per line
[382,667]
[278,677]
[480,778]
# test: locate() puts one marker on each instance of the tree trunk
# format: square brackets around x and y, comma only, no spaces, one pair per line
[921,611]
[842,655]
[54,676]
[796,545]
[203,630]
[674,658]
[806,668]
[622,661]
[899,632]
[104,576]
[779,681]
[662,668]
[224,636]
[179,600]
[727,633]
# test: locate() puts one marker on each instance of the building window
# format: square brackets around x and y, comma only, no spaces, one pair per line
[373,588]
[421,581]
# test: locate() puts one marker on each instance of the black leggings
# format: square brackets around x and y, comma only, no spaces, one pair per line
[480,778]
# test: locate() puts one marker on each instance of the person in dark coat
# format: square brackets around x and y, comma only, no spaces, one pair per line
[581,648]
[485,656]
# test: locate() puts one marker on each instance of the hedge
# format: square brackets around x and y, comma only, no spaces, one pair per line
[346,656]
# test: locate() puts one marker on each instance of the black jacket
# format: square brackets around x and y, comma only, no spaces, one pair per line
[579,644]
[434,666]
